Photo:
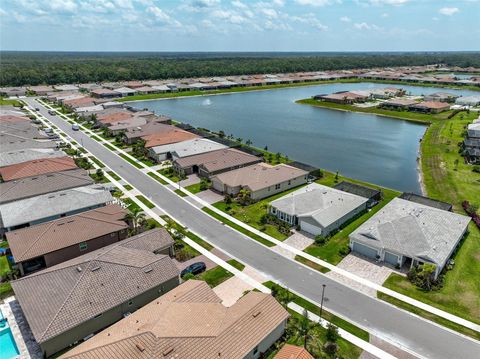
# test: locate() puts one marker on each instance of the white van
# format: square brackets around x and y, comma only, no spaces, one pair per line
[75,127]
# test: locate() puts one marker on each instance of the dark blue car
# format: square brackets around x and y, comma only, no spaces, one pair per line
[194,268]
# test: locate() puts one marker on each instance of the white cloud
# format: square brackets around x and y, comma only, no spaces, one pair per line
[270,13]
[345,19]
[311,20]
[448,11]
[279,2]
[366,26]
[239,4]
[385,15]
[388,2]
[63,5]
[228,16]
[316,3]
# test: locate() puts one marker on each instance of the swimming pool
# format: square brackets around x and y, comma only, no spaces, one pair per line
[7,342]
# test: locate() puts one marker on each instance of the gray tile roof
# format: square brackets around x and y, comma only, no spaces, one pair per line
[64,296]
[49,205]
[414,230]
[46,183]
[323,204]
[14,142]
[28,154]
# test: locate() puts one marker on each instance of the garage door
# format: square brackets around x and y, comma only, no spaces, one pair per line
[364,250]
[391,258]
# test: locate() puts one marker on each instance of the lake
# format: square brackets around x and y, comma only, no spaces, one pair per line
[371,148]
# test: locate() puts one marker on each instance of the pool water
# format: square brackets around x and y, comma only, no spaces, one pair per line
[8,347]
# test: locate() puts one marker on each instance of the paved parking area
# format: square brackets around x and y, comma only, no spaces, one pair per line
[364,268]
[192,179]
[298,240]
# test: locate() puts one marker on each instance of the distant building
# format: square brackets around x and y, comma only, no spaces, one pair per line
[398,104]
[343,97]
[184,149]
[441,97]
[318,209]
[125,91]
[261,180]
[468,100]
[75,299]
[105,93]
[406,234]
[190,322]
[430,107]
[37,167]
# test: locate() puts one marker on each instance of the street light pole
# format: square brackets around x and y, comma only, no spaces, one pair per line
[321,303]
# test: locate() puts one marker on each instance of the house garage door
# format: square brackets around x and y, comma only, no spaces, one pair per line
[391,258]
[364,250]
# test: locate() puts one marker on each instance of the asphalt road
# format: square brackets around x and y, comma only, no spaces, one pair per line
[388,322]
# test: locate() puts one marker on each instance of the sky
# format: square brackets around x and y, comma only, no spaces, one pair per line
[240,25]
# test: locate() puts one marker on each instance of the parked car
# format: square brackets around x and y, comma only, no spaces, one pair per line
[195,268]
[75,127]
[52,112]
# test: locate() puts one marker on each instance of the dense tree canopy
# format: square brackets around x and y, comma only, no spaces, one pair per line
[33,68]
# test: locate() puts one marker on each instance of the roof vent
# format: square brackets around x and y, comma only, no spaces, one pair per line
[148,270]
[79,269]
[167,351]
[256,314]
[140,347]
[95,268]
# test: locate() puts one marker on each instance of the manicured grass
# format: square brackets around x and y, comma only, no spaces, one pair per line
[253,213]
[4,102]
[218,275]
[5,290]
[151,223]
[145,201]
[98,162]
[434,318]
[114,175]
[238,228]
[405,115]
[199,241]
[180,193]
[157,178]
[311,264]
[236,264]
[128,187]
[450,182]
[4,265]
[339,322]
[131,205]
[169,174]
[194,188]
[330,252]
[128,159]
[98,179]
[111,148]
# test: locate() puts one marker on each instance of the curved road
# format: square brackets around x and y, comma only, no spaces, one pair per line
[387,322]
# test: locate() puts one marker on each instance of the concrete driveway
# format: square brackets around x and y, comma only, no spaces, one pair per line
[298,240]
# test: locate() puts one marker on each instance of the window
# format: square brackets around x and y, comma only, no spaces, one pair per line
[289,182]
[255,350]
[277,186]
[98,315]
[83,246]
[130,303]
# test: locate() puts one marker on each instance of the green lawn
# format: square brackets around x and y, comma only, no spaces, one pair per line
[405,115]
[253,213]
[98,162]
[199,241]
[145,201]
[194,188]
[450,182]
[238,228]
[114,175]
[4,102]
[4,265]
[5,290]
[180,193]
[171,175]
[157,178]
[217,275]
[330,252]
[311,264]
[132,206]
[128,187]
[128,159]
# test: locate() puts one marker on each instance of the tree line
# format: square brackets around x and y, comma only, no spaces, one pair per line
[34,68]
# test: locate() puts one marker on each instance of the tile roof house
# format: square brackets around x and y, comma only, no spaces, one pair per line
[190,322]
[37,167]
[441,97]
[262,180]
[75,299]
[29,154]
[430,107]
[13,119]
[293,352]
[405,233]
[105,93]
[184,149]
[318,209]
[214,162]
[398,104]
[15,141]
[134,134]
[46,207]
[47,244]
[45,183]
[343,97]
[173,135]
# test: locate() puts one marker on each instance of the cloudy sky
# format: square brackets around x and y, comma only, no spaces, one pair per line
[239,25]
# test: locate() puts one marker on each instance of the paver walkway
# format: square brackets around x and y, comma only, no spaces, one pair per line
[298,240]
[209,196]
[364,268]
[233,289]
[389,348]
[192,179]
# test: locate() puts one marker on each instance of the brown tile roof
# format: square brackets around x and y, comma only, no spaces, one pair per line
[167,137]
[218,160]
[115,116]
[400,102]
[64,296]
[149,128]
[44,183]
[37,167]
[104,91]
[189,322]
[293,352]
[259,176]
[76,102]
[433,105]
[13,119]
[38,240]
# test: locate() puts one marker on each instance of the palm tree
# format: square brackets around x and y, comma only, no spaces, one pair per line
[137,219]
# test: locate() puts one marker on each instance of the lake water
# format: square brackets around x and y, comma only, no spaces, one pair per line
[371,148]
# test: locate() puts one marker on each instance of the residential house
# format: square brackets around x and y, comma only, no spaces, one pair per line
[441,97]
[184,149]
[47,244]
[261,180]
[13,91]
[10,142]
[125,91]
[105,93]
[134,134]
[73,300]
[37,167]
[146,90]
[28,154]
[79,102]
[426,201]
[44,183]
[343,97]
[47,207]
[405,234]
[398,104]
[190,322]
[373,195]
[214,162]
[471,101]
[290,351]
[6,119]
[41,90]
[430,107]
[318,209]
[67,87]
[386,93]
